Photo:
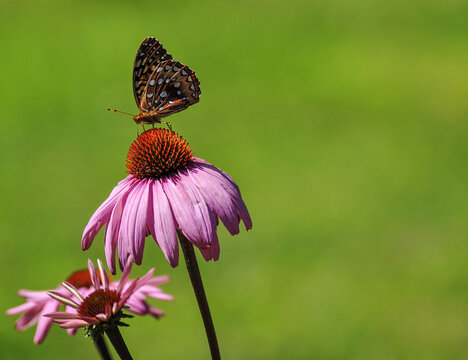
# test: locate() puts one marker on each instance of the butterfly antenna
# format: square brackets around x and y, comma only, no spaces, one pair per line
[121,112]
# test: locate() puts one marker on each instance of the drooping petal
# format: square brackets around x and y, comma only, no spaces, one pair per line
[215,248]
[140,228]
[29,318]
[229,185]
[20,308]
[155,312]
[128,224]
[137,306]
[103,213]
[161,224]
[113,228]
[217,198]
[194,217]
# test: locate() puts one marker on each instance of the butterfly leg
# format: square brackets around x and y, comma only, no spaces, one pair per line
[168,124]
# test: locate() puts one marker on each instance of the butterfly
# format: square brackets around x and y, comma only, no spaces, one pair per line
[161,85]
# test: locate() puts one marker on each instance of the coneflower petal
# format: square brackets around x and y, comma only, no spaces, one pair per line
[161,224]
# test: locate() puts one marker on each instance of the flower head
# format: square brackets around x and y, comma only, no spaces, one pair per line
[168,190]
[101,305]
[85,284]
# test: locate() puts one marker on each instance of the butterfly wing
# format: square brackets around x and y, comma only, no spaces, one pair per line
[171,88]
[148,56]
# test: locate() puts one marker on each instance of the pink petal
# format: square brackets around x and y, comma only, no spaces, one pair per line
[194,218]
[229,185]
[158,280]
[161,224]
[140,228]
[28,319]
[93,275]
[20,308]
[102,272]
[73,290]
[217,198]
[127,293]
[125,274]
[75,324]
[103,213]
[155,312]
[113,228]
[137,307]
[128,223]
[61,315]
[146,277]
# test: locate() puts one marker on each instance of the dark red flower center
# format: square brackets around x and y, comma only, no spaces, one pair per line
[81,278]
[157,153]
[98,302]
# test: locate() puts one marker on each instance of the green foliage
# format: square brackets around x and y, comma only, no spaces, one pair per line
[344,124]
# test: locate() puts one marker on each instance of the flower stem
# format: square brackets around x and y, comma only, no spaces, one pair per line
[102,347]
[197,284]
[116,339]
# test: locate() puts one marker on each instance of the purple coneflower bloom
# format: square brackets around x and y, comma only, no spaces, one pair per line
[84,282]
[168,190]
[103,302]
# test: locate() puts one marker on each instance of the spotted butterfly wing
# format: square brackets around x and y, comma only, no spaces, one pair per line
[162,86]
[148,56]
[171,88]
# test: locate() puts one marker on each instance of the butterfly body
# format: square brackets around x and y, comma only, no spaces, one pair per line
[161,85]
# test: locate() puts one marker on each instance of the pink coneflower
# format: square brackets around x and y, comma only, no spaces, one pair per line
[103,302]
[168,190]
[39,303]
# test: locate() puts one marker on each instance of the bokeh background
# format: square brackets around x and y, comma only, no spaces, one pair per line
[344,124]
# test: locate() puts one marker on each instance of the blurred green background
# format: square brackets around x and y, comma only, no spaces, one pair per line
[344,124]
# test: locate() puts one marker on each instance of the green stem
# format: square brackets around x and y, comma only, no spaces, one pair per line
[197,284]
